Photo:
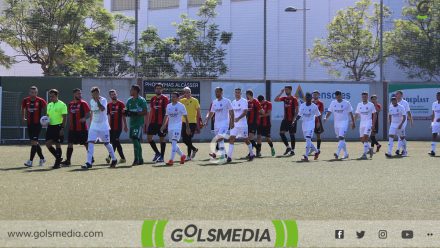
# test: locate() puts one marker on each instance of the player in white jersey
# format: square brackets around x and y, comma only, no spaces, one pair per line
[397,118]
[224,120]
[366,110]
[308,112]
[173,120]
[402,140]
[240,130]
[99,128]
[435,124]
[342,110]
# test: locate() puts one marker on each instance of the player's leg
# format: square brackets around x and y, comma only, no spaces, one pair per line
[251,139]
[186,140]
[404,143]
[104,136]
[340,144]
[266,133]
[292,132]
[163,145]
[283,131]
[343,132]
[33,151]
[308,146]
[39,151]
[119,147]
[91,139]
[71,139]
[259,140]
[152,130]
[318,141]
[135,135]
[244,133]
[193,128]
[175,137]
[391,135]
[232,139]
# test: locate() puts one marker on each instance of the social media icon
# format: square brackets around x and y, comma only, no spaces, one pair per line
[360,234]
[407,234]
[339,234]
[383,234]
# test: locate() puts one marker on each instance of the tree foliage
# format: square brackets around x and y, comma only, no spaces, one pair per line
[353,42]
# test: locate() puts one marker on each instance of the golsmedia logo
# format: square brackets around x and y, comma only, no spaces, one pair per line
[276,233]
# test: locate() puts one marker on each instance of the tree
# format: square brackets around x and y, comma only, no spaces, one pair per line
[5,60]
[416,40]
[200,44]
[114,52]
[155,55]
[352,42]
[54,33]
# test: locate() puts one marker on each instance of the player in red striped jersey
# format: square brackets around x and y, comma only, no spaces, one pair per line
[319,128]
[253,118]
[33,108]
[158,106]
[79,112]
[265,125]
[118,122]
[290,113]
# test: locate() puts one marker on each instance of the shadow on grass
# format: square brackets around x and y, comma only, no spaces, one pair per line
[215,164]
[85,170]
[40,170]
[14,168]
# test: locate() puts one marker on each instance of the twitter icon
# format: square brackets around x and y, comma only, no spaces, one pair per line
[360,234]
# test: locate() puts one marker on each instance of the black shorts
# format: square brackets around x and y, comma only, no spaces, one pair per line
[53,133]
[192,127]
[78,137]
[320,129]
[286,126]
[264,131]
[114,135]
[34,131]
[252,128]
[154,129]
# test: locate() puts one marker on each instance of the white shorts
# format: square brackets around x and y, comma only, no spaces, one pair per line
[365,130]
[222,132]
[308,133]
[341,131]
[435,127]
[396,131]
[174,134]
[101,135]
[239,132]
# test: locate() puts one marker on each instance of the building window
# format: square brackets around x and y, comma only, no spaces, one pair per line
[163,4]
[194,3]
[118,5]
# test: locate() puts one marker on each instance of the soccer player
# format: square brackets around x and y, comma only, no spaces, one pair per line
[57,112]
[33,108]
[240,130]
[253,119]
[193,110]
[397,117]
[99,128]
[158,105]
[137,110]
[366,111]
[308,112]
[375,124]
[290,112]
[319,128]
[175,111]
[224,120]
[342,110]
[402,143]
[265,125]
[435,124]
[118,122]
[79,112]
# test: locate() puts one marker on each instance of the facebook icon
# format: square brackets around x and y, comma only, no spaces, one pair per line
[339,234]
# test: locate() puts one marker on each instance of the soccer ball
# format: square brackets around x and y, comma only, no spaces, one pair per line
[44,121]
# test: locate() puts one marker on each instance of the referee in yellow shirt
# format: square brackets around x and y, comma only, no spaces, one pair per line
[193,109]
[57,112]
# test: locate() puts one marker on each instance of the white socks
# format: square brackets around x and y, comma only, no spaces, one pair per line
[231,150]
[90,152]
[433,146]
[221,147]
[342,146]
[366,147]
[251,151]
[110,150]
[175,148]
[390,145]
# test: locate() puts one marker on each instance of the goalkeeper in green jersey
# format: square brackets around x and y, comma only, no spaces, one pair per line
[136,110]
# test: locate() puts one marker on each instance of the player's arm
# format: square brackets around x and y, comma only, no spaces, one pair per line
[433,116]
[124,122]
[278,97]
[24,112]
[403,121]
[188,130]
[296,110]
[327,115]
[242,115]
[374,119]
[353,122]
[267,113]
[208,117]
[411,121]
[231,119]
[164,124]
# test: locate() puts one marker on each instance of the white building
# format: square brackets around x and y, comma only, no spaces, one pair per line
[245,19]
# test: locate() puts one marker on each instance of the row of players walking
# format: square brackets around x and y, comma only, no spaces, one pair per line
[249,119]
